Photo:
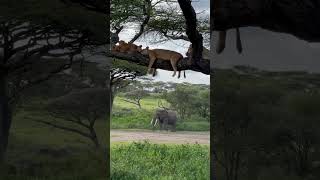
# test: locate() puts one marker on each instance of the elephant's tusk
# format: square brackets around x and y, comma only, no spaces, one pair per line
[156,122]
[151,122]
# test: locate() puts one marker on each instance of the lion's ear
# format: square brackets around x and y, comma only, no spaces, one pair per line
[147,47]
[140,46]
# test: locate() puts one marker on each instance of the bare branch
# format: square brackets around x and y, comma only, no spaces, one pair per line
[64,128]
[147,13]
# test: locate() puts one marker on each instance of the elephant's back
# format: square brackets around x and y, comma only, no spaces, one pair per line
[172,114]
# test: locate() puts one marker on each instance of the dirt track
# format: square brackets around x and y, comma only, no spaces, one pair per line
[179,137]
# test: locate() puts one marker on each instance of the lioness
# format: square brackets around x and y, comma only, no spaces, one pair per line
[205,53]
[163,54]
[127,47]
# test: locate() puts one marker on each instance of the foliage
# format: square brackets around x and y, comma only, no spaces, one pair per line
[188,99]
[162,17]
[264,122]
[55,12]
[146,161]
[124,11]
[135,93]
[80,110]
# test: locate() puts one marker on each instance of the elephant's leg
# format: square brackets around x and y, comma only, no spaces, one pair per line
[167,125]
[173,128]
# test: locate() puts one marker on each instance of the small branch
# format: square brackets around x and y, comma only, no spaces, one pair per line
[181,37]
[147,13]
[132,102]
[118,30]
[64,128]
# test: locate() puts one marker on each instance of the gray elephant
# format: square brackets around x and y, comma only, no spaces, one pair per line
[165,118]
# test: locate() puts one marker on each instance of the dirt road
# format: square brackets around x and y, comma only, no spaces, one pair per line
[179,137]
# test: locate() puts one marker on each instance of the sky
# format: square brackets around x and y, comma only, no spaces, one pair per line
[180,46]
[268,50]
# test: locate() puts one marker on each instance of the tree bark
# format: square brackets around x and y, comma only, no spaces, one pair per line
[94,137]
[5,117]
[296,17]
[163,64]
[194,35]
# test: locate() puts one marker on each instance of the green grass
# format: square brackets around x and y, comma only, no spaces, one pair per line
[128,116]
[144,161]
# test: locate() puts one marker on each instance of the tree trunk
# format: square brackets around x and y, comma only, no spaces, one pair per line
[95,138]
[112,95]
[139,104]
[5,117]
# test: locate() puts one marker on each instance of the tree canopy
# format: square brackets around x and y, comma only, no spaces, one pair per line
[162,17]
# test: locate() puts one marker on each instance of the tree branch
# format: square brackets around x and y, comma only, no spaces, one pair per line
[296,17]
[147,13]
[193,34]
[163,64]
[64,128]
[132,102]
[175,37]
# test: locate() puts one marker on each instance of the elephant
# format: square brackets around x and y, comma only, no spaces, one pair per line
[165,118]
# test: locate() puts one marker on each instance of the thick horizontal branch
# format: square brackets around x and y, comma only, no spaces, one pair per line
[203,65]
[296,17]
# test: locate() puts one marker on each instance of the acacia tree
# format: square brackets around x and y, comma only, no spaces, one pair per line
[244,121]
[134,93]
[181,99]
[32,36]
[297,137]
[121,76]
[81,110]
[191,33]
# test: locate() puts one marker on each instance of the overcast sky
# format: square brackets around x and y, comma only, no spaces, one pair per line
[269,51]
[180,46]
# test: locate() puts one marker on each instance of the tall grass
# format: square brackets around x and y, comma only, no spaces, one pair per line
[139,161]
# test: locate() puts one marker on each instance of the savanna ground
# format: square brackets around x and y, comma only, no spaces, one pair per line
[137,152]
